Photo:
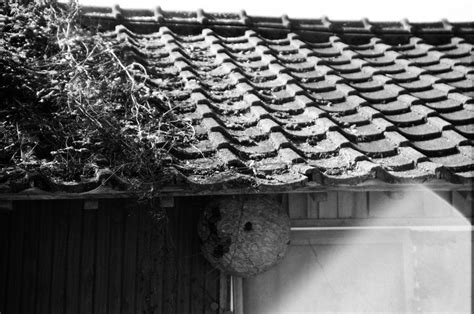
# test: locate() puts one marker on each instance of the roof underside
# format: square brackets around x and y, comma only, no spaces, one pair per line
[278,103]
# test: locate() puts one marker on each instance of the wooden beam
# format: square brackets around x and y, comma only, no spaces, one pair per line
[64,196]
[370,185]
[238,295]
[311,187]
[377,222]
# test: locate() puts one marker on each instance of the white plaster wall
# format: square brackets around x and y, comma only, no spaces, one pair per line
[377,269]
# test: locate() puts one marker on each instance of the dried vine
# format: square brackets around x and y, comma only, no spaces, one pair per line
[73,101]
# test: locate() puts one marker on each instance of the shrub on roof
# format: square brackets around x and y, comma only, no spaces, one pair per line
[74,100]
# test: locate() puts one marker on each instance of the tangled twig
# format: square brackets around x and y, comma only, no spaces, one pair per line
[72,104]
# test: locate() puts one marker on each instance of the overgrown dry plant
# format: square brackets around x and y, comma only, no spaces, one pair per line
[73,100]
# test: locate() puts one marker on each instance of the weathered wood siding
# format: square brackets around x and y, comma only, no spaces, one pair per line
[56,257]
[339,208]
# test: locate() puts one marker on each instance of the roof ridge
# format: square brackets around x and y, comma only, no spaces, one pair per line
[241,19]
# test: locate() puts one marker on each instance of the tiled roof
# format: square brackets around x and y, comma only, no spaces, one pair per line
[280,102]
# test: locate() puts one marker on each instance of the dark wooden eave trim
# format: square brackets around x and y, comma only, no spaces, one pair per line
[104,192]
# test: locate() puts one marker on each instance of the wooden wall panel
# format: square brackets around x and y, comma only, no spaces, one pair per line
[87,274]
[30,257]
[115,255]
[129,260]
[45,254]
[4,248]
[328,208]
[101,262]
[361,209]
[13,299]
[60,232]
[73,259]
[369,208]
[463,202]
[57,257]
[297,205]
[352,204]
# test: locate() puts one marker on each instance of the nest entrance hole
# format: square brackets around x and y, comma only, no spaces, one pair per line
[248,226]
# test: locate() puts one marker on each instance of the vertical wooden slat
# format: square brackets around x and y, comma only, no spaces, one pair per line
[58,280]
[297,205]
[328,209]
[461,202]
[345,204]
[284,202]
[150,298]
[171,269]
[197,286]
[178,237]
[16,259]
[143,263]
[224,293]
[238,295]
[181,246]
[129,260]
[73,257]
[212,291]
[30,258]
[352,204]
[375,202]
[173,249]
[115,266]
[73,247]
[210,277]
[158,275]
[313,200]
[89,221]
[4,256]
[101,260]
[206,279]
[45,257]
[361,209]
[188,234]
[445,195]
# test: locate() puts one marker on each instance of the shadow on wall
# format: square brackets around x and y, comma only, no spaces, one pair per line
[374,269]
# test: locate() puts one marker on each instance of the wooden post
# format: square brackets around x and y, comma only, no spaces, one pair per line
[238,295]
[223,292]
